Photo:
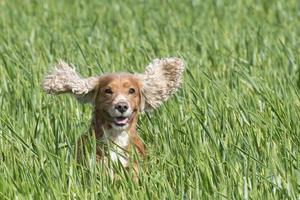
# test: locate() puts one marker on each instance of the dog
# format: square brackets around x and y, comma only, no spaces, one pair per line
[117,98]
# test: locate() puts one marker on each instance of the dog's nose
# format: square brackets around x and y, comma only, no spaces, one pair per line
[121,107]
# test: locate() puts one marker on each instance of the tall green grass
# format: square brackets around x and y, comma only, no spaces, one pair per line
[231,132]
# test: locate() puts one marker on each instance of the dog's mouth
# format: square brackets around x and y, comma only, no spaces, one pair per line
[121,121]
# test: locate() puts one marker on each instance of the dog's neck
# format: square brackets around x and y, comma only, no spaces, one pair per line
[118,140]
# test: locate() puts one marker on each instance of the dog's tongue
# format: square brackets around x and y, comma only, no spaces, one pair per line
[121,120]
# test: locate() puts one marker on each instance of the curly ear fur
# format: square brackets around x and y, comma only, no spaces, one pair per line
[64,79]
[161,78]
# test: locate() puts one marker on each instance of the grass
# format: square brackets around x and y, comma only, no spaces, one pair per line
[231,132]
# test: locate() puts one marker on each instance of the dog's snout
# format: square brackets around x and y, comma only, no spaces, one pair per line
[121,107]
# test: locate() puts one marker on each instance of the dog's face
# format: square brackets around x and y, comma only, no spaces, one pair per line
[118,98]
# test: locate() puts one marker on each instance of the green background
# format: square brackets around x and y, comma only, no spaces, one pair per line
[232,131]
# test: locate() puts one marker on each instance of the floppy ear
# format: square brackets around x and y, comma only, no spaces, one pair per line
[161,78]
[64,79]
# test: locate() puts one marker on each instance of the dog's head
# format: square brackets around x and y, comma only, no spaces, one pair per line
[119,96]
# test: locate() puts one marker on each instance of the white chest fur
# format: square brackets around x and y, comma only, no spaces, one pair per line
[117,141]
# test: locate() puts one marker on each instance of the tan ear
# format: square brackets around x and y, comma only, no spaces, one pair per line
[64,79]
[161,78]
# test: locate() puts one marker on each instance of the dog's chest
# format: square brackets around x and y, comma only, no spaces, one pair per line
[117,142]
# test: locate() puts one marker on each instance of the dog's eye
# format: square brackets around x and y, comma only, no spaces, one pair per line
[131,91]
[108,91]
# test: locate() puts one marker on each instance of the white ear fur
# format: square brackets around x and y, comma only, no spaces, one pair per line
[161,78]
[64,79]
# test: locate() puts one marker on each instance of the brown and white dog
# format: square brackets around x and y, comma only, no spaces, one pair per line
[117,98]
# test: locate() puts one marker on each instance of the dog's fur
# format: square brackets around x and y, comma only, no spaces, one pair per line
[117,98]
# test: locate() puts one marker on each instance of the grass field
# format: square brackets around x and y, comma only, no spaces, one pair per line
[231,132]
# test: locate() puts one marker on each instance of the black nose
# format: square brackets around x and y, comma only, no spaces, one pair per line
[121,107]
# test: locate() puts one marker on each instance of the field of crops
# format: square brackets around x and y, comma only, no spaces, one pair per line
[232,131]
